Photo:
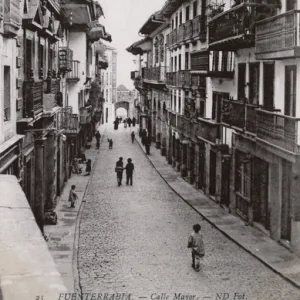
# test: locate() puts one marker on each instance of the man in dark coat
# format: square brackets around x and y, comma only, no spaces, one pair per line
[129,171]
[129,122]
[98,136]
[147,145]
[116,124]
[119,170]
[133,121]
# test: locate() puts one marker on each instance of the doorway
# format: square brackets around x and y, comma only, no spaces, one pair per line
[225,180]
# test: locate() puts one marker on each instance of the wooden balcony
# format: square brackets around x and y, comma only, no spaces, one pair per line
[12,18]
[171,78]
[184,125]
[191,30]
[198,82]
[85,114]
[209,131]
[155,74]
[74,75]
[235,28]
[278,37]
[68,121]
[279,130]
[239,115]
[184,78]
[65,56]
[33,98]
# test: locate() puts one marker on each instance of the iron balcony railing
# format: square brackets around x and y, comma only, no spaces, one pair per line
[269,126]
[192,29]
[74,74]
[235,28]
[278,33]
[240,115]
[280,130]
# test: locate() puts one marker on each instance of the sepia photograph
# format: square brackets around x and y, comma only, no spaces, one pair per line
[149,150]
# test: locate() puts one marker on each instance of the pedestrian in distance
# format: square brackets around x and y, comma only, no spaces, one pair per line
[125,123]
[196,244]
[73,196]
[88,168]
[119,170]
[147,143]
[98,136]
[116,124]
[129,122]
[110,143]
[133,121]
[129,171]
[132,136]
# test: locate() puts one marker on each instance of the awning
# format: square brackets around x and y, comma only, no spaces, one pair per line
[152,23]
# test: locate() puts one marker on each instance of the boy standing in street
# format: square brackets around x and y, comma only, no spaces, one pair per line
[129,170]
[196,243]
[72,196]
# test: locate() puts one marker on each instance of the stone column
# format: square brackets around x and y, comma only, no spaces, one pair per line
[163,135]
[39,184]
[218,177]
[295,192]
[275,188]
[207,168]
[197,166]
[232,196]
[158,131]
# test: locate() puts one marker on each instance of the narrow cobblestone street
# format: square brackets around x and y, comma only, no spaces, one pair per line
[133,239]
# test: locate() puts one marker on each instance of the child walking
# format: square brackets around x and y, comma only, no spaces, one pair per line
[72,196]
[196,244]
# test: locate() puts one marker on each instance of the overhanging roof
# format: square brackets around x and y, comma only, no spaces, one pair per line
[154,21]
[140,46]
[171,6]
[97,31]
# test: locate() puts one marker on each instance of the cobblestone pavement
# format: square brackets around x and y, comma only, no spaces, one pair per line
[133,239]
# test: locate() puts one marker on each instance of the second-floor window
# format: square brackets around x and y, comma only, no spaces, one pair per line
[28,57]
[290,91]
[186,60]
[187,13]
[180,18]
[156,47]
[179,62]
[253,83]
[195,4]
[162,48]
[241,81]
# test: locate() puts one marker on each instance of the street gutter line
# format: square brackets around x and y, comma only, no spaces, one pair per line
[77,284]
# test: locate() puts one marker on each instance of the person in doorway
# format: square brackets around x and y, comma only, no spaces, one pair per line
[132,136]
[129,171]
[88,168]
[133,121]
[98,136]
[72,196]
[196,244]
[129,122]
[119,170]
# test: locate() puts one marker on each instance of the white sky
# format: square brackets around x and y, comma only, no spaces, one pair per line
[123,20]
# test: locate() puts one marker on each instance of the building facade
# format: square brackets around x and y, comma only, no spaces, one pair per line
[218,84]
[109,84]
[42,115]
